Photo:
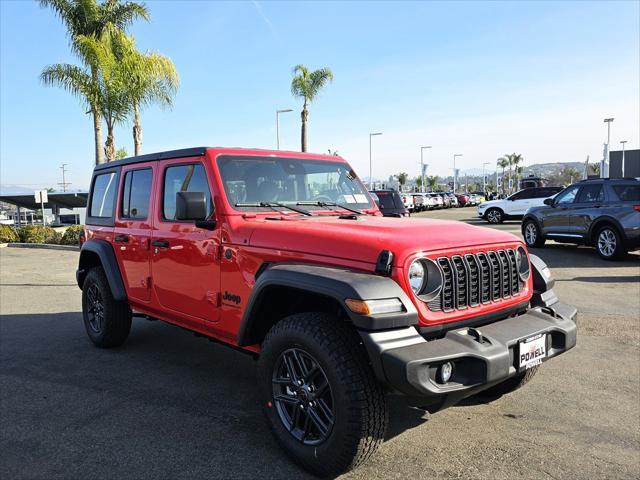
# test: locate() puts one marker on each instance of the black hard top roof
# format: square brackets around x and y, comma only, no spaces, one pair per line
[150,157]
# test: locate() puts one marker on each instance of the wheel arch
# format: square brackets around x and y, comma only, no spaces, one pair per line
[284,289]
[99,253]
[601,222]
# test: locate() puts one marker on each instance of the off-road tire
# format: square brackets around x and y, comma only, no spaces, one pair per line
[114,328]
[510,385]
[494,216]
[611,233]
[360,408]
[536,233]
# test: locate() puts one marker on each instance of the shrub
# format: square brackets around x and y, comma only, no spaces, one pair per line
[72,235]
[54,238]
[8,234]
[37,234]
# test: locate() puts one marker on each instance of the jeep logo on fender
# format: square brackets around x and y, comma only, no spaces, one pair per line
[231,297]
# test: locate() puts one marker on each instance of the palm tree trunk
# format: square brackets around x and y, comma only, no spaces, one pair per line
[97,135]
[303,133]
[97,120]
[110,146]
[137,130]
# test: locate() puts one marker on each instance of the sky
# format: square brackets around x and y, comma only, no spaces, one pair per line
[477,78]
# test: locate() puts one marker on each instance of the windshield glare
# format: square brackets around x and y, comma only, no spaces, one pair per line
[289,181]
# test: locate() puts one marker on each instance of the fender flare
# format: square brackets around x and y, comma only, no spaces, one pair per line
[593,228]
[335,283]
[109,264]
[543,283]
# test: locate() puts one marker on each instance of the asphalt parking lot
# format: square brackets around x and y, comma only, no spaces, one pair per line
[170,405]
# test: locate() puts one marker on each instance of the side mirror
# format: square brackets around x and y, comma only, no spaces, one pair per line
[191,206]
[549,201]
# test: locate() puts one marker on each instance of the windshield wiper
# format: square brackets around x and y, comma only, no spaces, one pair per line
[332,204]
[272,205]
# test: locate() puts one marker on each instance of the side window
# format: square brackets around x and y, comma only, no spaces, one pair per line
[136,194]
[627,193]
[102,195]
[521,195]
[184,178]
[568,196]
[591,193]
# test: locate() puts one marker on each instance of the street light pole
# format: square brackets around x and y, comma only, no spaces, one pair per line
[484,177]
[422,166]
[623,142]
[370,161]
[278,112]
[455,176]
[604,168]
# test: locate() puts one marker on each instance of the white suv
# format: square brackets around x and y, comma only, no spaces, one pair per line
[516,205]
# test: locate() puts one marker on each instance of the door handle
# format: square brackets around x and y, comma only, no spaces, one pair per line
[122,238]
[160,243]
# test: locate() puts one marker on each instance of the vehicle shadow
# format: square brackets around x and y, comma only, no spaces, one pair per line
[164,405]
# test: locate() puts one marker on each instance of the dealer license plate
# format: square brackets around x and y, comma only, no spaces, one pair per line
[532,351]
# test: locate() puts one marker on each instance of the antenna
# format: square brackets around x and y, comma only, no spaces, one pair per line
[64,182]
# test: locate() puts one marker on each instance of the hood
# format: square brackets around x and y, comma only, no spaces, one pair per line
[364,238]
[491,203]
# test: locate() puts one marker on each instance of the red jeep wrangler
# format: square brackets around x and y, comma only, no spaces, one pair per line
[285,256]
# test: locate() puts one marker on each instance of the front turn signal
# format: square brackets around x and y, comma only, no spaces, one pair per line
[374,307]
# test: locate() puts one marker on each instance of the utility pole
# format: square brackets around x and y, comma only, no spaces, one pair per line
[64,182]
[422,168]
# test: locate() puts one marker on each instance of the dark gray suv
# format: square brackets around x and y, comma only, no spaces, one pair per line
[604,213]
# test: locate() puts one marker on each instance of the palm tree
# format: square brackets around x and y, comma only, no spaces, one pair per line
[152,78]
[516,159]
[306,85]
[503,163]
[432,181]
[402,179]
[88,18]
[594,168]
[109,52]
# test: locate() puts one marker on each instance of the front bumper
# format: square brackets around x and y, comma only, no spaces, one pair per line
[407,363]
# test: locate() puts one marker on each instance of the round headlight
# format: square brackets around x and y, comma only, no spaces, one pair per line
[416,276]
[522,262]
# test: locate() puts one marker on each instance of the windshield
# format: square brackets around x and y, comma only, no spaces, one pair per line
[389,200]
[289,181]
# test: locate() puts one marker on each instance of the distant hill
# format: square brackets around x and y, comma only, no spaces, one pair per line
[547,170]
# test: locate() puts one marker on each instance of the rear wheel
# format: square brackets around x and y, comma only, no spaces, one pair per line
[609,244]
[106,320]
[532,235]
[494,215]
[320,395]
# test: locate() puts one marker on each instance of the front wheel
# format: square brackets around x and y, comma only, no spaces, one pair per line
[106,320]
[494,215]
[532,235]
[319,393]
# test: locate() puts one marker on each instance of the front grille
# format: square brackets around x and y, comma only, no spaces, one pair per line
[475,279]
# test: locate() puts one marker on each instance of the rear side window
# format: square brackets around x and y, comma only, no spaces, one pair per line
[590,194]
[627,193]
[136,194]
[103,195]
[184,178]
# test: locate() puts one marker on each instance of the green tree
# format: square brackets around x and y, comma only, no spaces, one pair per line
[419,183]
[594,168]
[402,179]
[121,153]
[432,181]
[88,18]
[306,84]
[503,163]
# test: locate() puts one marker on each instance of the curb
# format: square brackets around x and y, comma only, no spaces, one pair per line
[44,246]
